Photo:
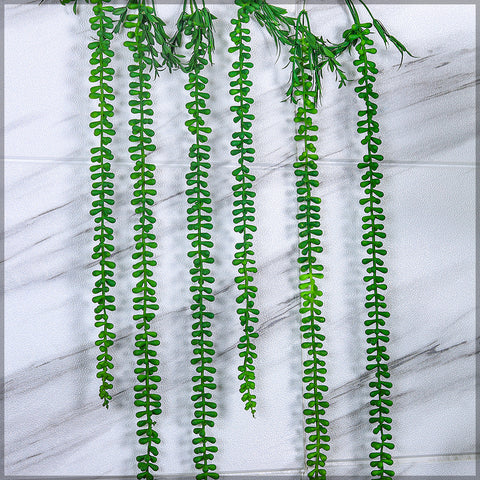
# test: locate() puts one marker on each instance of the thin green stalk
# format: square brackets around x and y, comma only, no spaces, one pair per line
[244,204]
[102,189]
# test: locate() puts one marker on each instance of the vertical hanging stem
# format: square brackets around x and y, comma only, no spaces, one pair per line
[199,224]
[310,270]
[244,202]
[102,189]
[145,302]
[373,237]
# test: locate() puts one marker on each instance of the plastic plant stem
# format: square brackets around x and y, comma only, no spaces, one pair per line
[377,334]
[145,302]
[102,189]
[244,201]
[197,26]
[309,246]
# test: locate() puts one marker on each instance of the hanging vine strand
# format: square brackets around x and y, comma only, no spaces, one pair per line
[377,334]
[102,189]
[145,301]
[305,94]
[376,331]
[198,26]
[244,209]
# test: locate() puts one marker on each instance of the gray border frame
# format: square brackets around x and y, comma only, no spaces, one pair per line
[246,476]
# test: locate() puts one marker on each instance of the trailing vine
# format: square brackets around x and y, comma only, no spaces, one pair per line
[153,49]
[244,209]
[376,331]
[198,26]
[305,93]
[145,301]
[102,189]
[372,239]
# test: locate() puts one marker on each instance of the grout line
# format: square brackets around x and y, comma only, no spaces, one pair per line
[297,471]
[260,165]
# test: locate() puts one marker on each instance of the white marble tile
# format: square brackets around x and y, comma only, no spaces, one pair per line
[436,89]
[432,324]
[54,424]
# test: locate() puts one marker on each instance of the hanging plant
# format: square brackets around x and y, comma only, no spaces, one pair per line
[304,93]
[197,25]
[154,50]
[145,302]
[102,189]
[244,209]
[377,334]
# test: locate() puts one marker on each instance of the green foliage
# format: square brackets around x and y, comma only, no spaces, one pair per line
[197,25]
[373,237]
[244,209]
[153,33]
[304,96]
[275,20]
[145,301]
[154,50]
[102,189]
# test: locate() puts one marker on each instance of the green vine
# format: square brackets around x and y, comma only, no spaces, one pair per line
[372,239]
[102,189]
[244,204]
[145,302]
[305,93]
[153,49]
[377,334]
[198,25]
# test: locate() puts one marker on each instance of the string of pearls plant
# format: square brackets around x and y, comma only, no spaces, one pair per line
[153,50]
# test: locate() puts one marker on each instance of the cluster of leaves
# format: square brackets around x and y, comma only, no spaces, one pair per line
[145,302]
[102,189]
[305,95]
[244,209]
[275,20]
[154,37]
[197,26]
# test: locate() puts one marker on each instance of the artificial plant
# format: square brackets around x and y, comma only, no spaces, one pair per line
[139,23]
[377,334]
[102,189]
[244,208]
[304,93]
[154,50]
[197,25]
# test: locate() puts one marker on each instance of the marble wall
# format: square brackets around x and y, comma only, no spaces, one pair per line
[54,422]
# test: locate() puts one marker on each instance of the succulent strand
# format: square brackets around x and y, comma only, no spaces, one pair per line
[304,96]
[102,189]
[145,301]
[376,331]
[244,209]
[198,27]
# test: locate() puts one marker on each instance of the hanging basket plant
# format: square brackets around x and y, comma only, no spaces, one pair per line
[186,51]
